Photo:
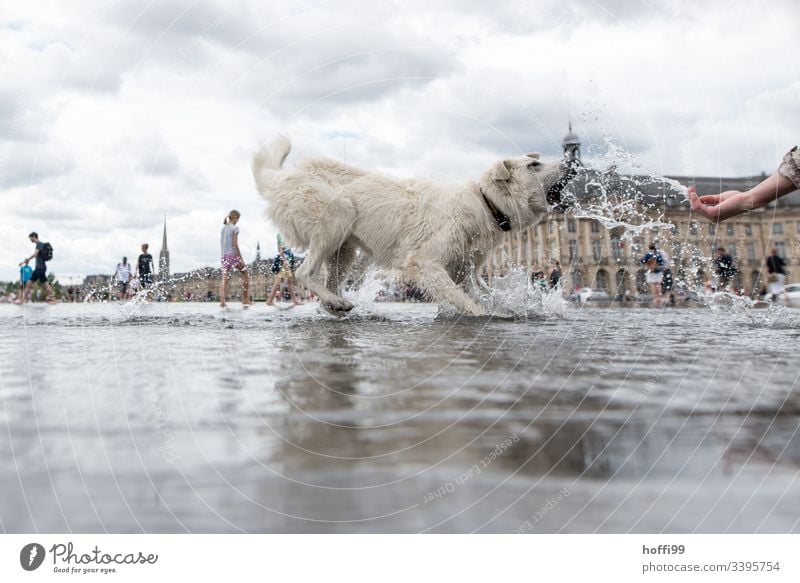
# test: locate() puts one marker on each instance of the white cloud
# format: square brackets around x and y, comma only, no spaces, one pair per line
[115,114]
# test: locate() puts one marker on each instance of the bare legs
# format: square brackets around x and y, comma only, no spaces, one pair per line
[277,286]
[655,291]
[226,273]
[25,291]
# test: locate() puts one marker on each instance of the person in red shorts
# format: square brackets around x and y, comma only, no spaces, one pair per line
[232,258]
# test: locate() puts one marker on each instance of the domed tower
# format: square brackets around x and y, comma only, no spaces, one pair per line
[572,146]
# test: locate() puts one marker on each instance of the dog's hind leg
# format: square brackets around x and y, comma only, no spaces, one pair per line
[331,233]
[339,266]
[439,286]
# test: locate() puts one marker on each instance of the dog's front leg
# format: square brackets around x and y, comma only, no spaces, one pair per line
[478,260]
[439,286]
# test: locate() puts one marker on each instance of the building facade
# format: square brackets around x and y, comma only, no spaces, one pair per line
[593,254]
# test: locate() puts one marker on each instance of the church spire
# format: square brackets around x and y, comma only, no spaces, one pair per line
[163,257]
[572,145]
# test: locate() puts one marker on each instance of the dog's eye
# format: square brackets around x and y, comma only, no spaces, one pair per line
[534,165]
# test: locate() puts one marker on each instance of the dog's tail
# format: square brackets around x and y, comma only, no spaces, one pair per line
[270,158]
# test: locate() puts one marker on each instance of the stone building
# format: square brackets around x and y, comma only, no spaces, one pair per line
[203,284]
[600,255]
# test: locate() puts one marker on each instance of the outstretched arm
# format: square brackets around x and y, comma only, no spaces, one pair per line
[27,260]
[719,207]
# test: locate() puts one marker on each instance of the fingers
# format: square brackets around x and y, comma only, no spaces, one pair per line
[710,199]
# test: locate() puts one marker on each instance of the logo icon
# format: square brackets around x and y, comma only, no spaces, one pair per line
[31,556]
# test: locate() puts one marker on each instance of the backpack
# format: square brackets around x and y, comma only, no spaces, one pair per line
[47,252]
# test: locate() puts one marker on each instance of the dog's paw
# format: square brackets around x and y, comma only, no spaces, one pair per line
[337,306]
[475,310]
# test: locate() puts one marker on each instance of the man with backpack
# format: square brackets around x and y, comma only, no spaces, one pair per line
[42,254]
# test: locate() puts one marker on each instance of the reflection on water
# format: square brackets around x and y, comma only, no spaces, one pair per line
[169,418]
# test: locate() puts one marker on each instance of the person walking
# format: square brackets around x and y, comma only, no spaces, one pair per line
[725,269]
[667,280]
[25,273]
[776,269]
[144,270]
[123,276]
[232,258]
[43,252]
[654,262]
[555,274]
[283,268]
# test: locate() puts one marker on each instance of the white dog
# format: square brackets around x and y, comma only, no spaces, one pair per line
[437,235]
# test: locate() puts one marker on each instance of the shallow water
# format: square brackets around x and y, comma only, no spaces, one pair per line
[170,418]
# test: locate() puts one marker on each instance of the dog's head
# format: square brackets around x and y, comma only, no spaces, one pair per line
[525,188]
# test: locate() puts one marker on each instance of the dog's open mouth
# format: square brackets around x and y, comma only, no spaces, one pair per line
[554,193]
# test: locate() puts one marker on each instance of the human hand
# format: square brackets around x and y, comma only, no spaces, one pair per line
[719,207]
[718,198]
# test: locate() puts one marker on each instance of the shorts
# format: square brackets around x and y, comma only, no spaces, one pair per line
[232,261]
[654,276]
[39,275]
[146,280]
[123,286]
[776,287]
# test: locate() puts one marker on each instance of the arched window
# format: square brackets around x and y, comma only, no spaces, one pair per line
[577,278]
[602,279]
[621,274]
[641,281]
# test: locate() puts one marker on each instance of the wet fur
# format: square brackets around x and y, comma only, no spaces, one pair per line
[436,234]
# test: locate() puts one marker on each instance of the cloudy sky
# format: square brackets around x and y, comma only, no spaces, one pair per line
[115,114]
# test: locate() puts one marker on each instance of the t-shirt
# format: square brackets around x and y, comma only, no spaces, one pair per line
[40,262]
[145,264]
[123,272]
[775,264]
[725,267]
[226,238]
[655,261]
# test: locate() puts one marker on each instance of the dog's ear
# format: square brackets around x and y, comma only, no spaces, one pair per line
[500,171]
[534,155]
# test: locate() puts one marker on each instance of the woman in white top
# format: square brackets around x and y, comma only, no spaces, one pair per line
[123,276]
[232,258]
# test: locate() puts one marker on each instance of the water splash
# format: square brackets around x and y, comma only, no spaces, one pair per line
[515,295]
[364,296]
[629,202]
